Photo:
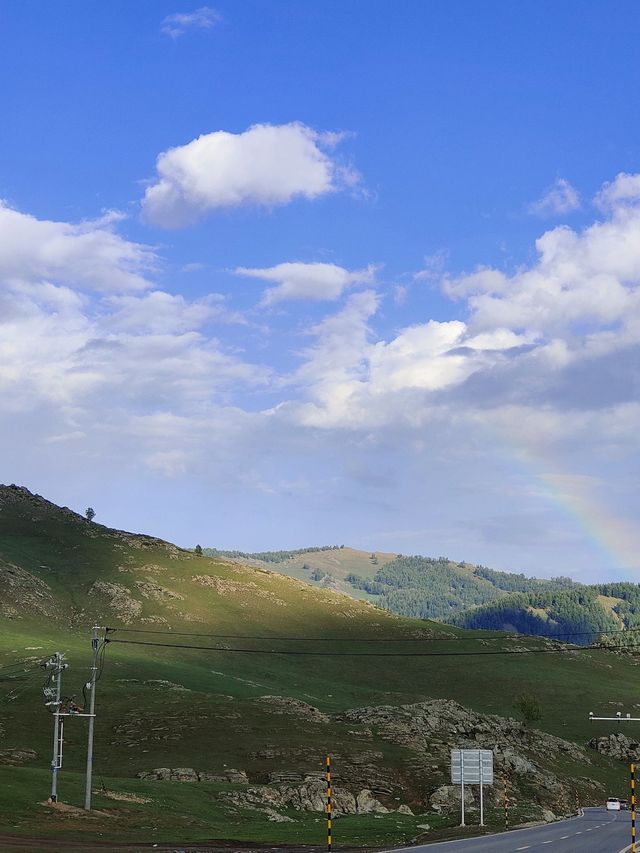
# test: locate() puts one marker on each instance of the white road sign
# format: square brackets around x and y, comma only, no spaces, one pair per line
[476,763]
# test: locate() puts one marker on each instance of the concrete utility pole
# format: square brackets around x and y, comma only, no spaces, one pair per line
[91,686]
[53,694]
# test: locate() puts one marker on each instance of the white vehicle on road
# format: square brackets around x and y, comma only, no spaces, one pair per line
[613,804]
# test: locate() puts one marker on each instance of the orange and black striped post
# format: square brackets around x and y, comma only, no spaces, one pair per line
[633,808]
[329,803]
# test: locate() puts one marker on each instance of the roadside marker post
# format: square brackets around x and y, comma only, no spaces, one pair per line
[506,804]
[329,822]
[633,808]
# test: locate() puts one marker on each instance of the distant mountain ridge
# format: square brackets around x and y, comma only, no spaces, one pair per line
[460,593]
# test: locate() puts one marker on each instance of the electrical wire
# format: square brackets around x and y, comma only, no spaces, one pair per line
[27,683]
[453,638]
[301,652]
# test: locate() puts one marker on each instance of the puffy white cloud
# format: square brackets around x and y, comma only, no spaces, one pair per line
[89,354]
[616,195]
[313,281]
[580,279]
[558,199]
[267,165]
[88,254]
[177,24]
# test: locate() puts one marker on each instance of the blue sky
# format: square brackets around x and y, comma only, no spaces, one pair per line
[275,274]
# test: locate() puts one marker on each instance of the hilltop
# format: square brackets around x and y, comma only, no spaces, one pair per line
[247,722]
[461,593]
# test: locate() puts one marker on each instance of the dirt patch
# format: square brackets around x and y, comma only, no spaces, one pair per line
[123,796]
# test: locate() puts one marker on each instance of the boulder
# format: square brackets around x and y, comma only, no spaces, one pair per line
[617,746]
[367,803]
[447,798]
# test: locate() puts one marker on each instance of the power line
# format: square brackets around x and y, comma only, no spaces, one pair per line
[452,638]
[304,652]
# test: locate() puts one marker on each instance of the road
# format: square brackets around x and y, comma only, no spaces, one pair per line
[597,831]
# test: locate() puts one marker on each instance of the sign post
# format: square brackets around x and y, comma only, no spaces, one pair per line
[462,785]
[471,767]
[481,797]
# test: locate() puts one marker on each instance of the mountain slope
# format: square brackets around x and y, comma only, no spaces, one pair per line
[260,709]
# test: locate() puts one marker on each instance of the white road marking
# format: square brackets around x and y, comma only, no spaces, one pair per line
[524,848]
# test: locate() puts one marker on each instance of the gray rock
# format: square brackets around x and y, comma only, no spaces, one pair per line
[367,803]
[617,746]
[447,798]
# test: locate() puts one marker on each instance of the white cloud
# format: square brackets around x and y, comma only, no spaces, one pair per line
[88,254]
[313,281]
[580,278]
[177,24]
[616,195]
[89,354]
[267,165]
[160,312]
[558,199]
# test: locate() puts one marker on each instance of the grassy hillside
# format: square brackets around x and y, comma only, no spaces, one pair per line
[463,594]
[173,707]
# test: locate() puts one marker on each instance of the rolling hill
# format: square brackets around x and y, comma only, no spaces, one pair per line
[224,685]
[462,594]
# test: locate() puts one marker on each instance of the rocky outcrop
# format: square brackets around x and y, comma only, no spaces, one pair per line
[295,707]
[429,730]
[617,746]
[188,774]
[309,796]
[119,599]
[15,757]
[447,798]
[22,592]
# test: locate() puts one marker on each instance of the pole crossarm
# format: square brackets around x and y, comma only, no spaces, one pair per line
[617,719]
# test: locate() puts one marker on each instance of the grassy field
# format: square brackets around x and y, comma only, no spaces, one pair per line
[174,707]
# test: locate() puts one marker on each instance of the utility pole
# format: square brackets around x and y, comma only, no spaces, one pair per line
[53,694]
[91,686]
[626,719]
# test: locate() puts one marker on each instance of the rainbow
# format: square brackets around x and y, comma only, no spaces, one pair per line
[575,495]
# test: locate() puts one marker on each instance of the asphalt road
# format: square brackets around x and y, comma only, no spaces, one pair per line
[597,831]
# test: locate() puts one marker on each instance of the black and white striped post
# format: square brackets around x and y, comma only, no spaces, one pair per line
[633,808]
[329,812]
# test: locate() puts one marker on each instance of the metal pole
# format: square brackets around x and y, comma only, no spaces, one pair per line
[462,823]
[633,808]
[481,786]
[55,764]
[329,822]
[92,706]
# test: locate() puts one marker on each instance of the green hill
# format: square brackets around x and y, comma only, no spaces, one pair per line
[282,673]
[462,594]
